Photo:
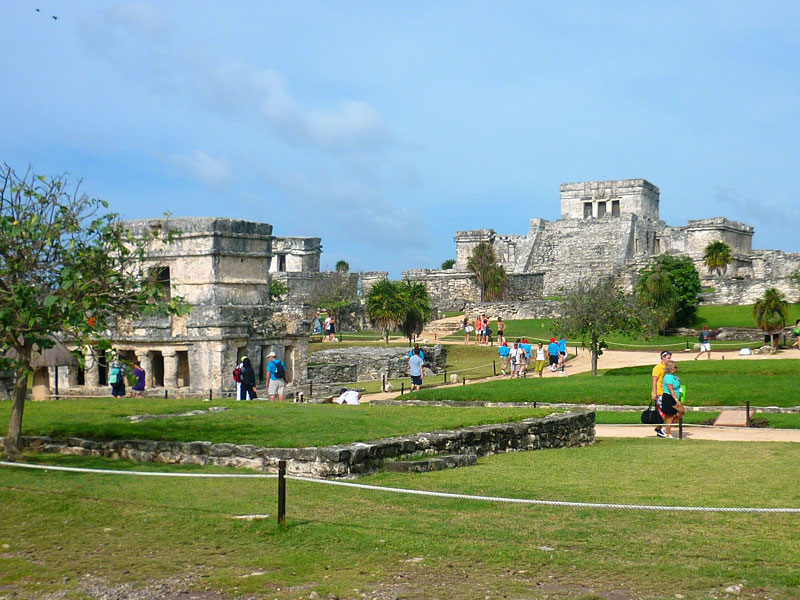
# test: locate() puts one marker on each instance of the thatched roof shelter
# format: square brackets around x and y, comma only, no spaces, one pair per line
[57,356]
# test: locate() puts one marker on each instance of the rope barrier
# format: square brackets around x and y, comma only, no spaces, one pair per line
[377,488]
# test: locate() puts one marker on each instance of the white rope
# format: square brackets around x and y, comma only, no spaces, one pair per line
[378,488]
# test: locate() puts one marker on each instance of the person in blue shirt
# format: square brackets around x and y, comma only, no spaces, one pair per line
[277,377]
[421,353]
[562,352]
[525,345]
[552,351]
[415,369]
[503,351]
[671,398]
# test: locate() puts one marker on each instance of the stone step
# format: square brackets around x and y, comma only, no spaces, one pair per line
[733,418]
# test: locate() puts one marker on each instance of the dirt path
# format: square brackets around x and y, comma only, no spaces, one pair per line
[724,434]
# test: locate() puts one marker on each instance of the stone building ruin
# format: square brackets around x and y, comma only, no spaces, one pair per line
[610,227]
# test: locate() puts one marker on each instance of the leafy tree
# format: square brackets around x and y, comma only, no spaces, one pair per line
[386,306]
[490,275]
[417,305]
[67,269]
[683,279]
[592,311]
[448,264]
[717,257]
[336,295]
[770,312]
[277,289]
[342,266]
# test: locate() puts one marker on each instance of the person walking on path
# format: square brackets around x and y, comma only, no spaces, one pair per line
[517,357]
[467,330]
[671,404]
[528,348]
[501,327]
[540,358]
[420,352]
[503,350]
[415,370]
[658,386]
[116,378]
[247,375]
[562,352]
[138,388]
[277,377]
[796,332]
[552,351]
[705,342]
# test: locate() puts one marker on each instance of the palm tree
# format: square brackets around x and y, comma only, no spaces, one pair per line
[770,312]
[418,308]
[656,291]
[717,257]
[491,276]
[386,306]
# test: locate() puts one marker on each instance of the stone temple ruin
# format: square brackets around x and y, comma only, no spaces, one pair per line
[222,268]
[610,227]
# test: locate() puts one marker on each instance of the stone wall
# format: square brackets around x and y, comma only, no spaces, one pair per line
[369,363]
[635,196]
[347,460]
[540,309]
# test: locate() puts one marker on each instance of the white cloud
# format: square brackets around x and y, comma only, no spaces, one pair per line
[775,211]
[210,171]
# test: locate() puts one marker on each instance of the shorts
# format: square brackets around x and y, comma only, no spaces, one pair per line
[562,353]
[539,366]
[276,387]
[705,347]
[668,405]
[504,362]
[553,359]
[416,380]
[332,329]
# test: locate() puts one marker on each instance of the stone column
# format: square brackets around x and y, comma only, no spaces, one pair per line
[92,373]
[170,368]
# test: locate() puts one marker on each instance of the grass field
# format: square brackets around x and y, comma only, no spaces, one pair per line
[266,424]
[708,383]
[735,316]
[72,534]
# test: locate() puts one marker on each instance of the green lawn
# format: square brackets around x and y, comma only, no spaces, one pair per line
[708,383]
[267,424]
[735,316]
[65,532]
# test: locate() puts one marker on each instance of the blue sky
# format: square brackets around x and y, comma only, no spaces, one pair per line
[384,127]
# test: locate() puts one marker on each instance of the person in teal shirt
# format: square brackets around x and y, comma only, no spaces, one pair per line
[671,398]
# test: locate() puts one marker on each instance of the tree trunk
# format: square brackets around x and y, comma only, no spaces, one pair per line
[18,408]
[594,355]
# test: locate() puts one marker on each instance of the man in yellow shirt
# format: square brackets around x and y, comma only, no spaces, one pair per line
[658,387]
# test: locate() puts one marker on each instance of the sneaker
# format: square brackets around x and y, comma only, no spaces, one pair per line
[661,433]
[670,437]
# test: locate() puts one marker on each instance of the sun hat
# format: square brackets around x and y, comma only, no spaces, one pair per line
[271,354]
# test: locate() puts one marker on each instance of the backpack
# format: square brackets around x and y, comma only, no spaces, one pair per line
[112,377]
[701,338]
[237,373]
[280,369]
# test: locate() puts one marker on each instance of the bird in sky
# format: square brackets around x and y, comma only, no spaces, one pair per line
[55,18]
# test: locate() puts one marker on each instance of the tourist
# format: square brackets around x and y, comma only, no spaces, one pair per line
[326,327]
[478,328]
[316,325]
[501,327]
[277,377]
[467,330]
[670,400]
[485,331]
[658,386]
[796,332]
[705,342]
[562,352]
[332,328]
[237,377]
[116,378]
[421,353]
[517,359]
[247,377]
[348,397]
[503,350]
[138,388]
[552,351]
[540,359]
[415,370]
[528,348]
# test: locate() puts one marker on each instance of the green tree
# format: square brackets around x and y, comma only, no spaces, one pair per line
[592,311]
[342,266]
[683,279]
[448,264]
[67,270]
[417,306]
[770,312]
[386,307]
[490,275]
[277,289]
[717,257]
[654,290]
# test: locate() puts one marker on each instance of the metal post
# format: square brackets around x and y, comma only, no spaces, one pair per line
[747,418]
[687,344]
[680,429]
[310,389]
[494,367]
[210,392]
[282,493]
[463,381]
[383,385]
[444,378]
[402,387]
[534,404]
[166,394]
[56,374]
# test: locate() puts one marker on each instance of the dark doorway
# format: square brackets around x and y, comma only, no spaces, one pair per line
[157,368]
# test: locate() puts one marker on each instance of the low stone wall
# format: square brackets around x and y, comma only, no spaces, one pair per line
[539,309]
[369,363]
[347,460]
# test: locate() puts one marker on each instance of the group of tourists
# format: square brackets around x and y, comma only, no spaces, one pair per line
[483,330]
[667,394]
[516,359]
[245,377]
[326,329]
[117,375]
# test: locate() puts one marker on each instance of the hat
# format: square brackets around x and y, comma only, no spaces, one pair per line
[552,339]
[271,354]
[666,353]
[243,359]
